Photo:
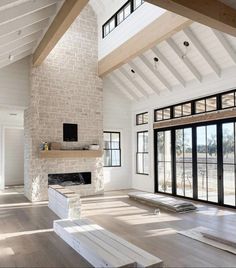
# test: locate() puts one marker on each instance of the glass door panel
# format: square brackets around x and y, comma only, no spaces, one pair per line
[229,166]
[207,176]
[164,163]
[183,154]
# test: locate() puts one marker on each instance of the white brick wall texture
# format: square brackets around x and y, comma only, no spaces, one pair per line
[65,89]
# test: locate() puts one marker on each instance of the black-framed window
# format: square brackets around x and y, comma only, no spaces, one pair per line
[181,110]
[211,103]
[142,159]
[128,8]
[112,149]
[162,114]
[206,105]
[142,119]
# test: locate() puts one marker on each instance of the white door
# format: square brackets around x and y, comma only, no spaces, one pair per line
[14,156]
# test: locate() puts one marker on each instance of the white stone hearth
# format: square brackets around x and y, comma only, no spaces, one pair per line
[66,89]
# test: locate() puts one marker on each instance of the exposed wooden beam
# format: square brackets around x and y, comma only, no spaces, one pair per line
[209,60]
[145,39]
[200,118]
[144,78]
[156,73]
[169,66]
[65,17]
[29,30]
[122,89]
[125,87]
[134,82]
[185,61]
[27,20]
[225,44]
[212,13]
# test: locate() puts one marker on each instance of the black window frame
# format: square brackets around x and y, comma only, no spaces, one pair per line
[111,149]
[142,153]
[142,115]
[193,102]
[115,16]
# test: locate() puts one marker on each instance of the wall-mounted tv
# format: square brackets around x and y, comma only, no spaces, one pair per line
[70,132]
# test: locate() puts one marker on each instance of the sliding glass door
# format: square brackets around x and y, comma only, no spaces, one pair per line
[229,163]
[198,162]
[183,167]
[207,178]
[164,161]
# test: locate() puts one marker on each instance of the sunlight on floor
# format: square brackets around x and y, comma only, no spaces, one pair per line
[17,234]
[147,218]
[110,204]
[113,211]
[215,212]
[6,252]
[160,232]
[23,204]
[98,198]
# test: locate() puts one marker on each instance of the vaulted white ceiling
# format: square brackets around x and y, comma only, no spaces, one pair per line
[210,52]
[23,24]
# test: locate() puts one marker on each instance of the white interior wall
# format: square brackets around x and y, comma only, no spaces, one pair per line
[210,85]
[138,20]
[14,84]
[7,121]
[14,97]
[117,117]
[14,156]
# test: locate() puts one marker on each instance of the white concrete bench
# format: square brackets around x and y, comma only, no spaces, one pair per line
[64,202]
[102,248]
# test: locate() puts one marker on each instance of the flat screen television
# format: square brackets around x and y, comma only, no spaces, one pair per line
[70,132]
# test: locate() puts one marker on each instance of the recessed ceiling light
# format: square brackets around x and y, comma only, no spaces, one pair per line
[11,57]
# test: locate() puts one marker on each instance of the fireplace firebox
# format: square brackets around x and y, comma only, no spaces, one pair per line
[70,179]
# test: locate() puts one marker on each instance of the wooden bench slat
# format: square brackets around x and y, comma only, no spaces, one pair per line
[143,258]
[91,250]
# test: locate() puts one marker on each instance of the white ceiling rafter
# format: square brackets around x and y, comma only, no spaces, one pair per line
[27,20]
[20,42]
[130,91]
[17,51]
[25,8]
[168,65]
[22,26]
[225,44]
[196,43]
[26,31]
[17,57]
[185,60]
[144,78]
[134,82]
[121,89]
[156,73]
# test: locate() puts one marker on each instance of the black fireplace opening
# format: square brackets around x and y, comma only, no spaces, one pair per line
[70,179]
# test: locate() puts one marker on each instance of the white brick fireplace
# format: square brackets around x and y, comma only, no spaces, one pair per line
[65,89]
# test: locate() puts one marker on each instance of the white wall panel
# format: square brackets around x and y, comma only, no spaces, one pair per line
[14,84]
[117,117]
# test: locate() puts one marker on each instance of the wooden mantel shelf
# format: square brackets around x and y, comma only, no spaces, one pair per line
[70,154]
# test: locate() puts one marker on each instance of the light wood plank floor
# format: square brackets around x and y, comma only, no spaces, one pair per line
[27,239]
